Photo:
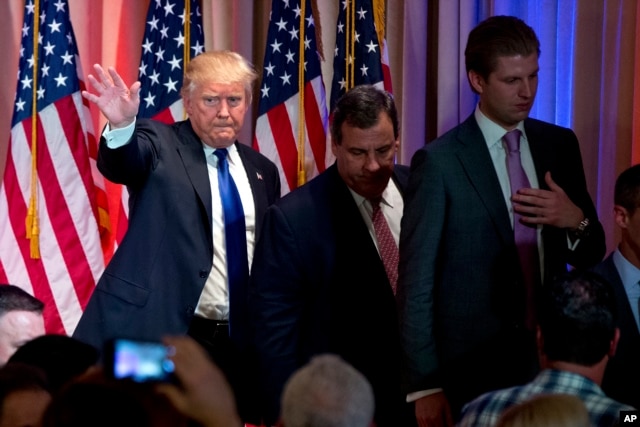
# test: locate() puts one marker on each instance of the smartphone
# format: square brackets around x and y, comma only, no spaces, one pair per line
[140,361]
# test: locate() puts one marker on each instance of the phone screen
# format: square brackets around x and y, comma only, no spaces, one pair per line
[140,361]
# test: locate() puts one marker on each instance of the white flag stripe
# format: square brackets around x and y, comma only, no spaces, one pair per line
[55,267]
[75,194]
[8,255]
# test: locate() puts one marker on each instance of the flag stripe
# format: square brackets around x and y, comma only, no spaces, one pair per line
[62,187]
[25,272]
[71,210]
[285,142]
[316,125]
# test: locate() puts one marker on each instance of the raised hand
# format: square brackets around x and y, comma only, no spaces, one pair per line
[118,103]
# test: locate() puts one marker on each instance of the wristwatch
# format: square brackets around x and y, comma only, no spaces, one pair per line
[582,229]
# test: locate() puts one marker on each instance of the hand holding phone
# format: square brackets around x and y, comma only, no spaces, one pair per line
[140,361]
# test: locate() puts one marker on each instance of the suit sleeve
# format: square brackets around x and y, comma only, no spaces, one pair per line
[130,164]
[421,231]
[275,302]
[592,247]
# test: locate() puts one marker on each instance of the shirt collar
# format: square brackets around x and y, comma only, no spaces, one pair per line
[492,131]
[231,157]
[629,273]
[386,196]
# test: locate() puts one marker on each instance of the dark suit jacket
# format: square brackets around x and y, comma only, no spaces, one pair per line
[154,280]
[461,293]
[622,376]
[318,285]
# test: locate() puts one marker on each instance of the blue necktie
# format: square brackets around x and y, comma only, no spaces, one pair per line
[236,243]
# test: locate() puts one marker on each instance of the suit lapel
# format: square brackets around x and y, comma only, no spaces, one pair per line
[538,151]
[256,181]
[626,320]
[195,164]
[476,162]
[346,213]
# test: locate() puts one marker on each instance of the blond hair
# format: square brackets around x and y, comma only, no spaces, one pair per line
[547,410]
[220,66]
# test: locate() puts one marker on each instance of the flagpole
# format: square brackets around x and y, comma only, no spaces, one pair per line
[302,176]
[31,223]
[187,43]
[351,59]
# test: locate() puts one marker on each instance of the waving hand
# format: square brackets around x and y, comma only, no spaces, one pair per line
[118,103]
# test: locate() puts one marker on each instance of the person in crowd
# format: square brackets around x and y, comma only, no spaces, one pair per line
[201,392]
[98,400]
[197,197]
[576,337]
[24,395]
[547,410]
[622,270]
[60,357]
[20,319]
[327,392]
[493,207]
[325,267]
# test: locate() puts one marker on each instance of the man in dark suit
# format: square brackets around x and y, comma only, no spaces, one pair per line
[622,270]
[466,316]
[171,274]
[319,283]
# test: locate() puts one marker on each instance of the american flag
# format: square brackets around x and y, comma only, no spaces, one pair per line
[357,39]
[51,175]
[288,101]
[169,42]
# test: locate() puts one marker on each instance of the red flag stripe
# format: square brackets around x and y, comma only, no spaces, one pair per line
[316,124]
[25,272]
[281,125]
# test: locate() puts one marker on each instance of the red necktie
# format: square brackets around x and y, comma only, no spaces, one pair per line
[386,243]
[525,236]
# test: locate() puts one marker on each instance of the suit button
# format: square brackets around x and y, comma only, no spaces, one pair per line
[190,310]
[204,274]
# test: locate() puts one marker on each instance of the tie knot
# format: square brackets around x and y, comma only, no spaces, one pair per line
[221,154]
[375,203]
[512,138]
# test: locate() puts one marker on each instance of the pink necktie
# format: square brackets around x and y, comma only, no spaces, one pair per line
[386,243]
[525,236]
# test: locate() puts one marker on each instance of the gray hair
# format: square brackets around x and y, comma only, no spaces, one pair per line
[327,392]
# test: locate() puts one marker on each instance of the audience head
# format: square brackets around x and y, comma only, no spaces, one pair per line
[216,92]
[627,189]
[24,395]
[62,358]
[549,410]
[364,134]
[626,202]
[577,315]
[498,36]
[20,319]
[98,401]
[327,392]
